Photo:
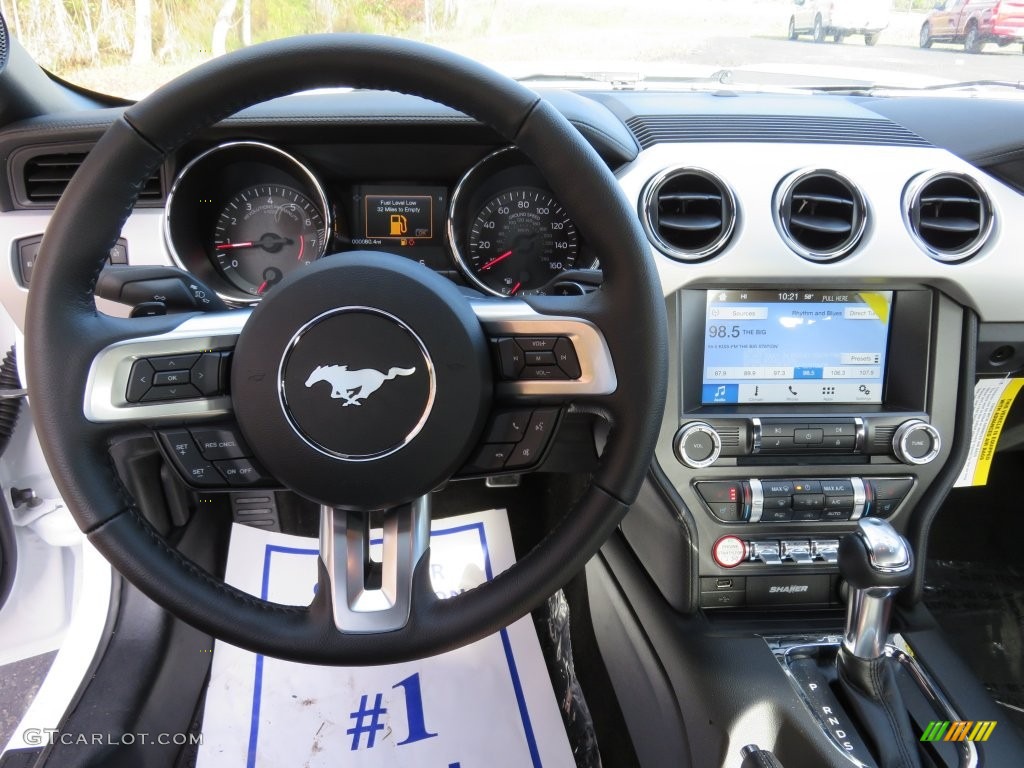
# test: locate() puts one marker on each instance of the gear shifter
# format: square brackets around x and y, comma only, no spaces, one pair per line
[876,563]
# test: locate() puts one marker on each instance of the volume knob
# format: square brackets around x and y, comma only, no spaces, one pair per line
[916,442]
[697,444]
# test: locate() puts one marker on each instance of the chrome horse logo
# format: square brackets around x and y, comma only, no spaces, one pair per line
[353,386]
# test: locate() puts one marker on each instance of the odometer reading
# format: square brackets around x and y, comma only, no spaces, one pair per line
[265,232]
[520,240]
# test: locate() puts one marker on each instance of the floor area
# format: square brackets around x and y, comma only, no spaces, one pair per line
[19,683]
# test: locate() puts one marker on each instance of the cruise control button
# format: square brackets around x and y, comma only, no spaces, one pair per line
[174,392]
[139,381]
[511,358]
[170,377]
[537,343]
[240,472]
[215,443]
[183,450]
[173,362]
[566,359]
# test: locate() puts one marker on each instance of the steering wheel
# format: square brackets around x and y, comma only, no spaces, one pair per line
[356,306]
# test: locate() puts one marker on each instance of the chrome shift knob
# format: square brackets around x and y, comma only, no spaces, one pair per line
[876,562]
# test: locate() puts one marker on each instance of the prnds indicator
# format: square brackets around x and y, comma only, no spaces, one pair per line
[795,346]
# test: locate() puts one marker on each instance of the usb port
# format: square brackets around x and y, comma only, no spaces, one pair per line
[723,584]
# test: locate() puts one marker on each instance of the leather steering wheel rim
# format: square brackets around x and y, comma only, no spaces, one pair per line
[64,332]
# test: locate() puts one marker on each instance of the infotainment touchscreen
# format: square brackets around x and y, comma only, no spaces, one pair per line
[795,346]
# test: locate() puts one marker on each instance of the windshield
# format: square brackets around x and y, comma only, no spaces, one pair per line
[128,48]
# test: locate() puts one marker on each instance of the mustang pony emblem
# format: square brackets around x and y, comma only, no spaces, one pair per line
[353,386]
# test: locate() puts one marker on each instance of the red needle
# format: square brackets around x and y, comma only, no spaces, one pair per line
[262,288]
[229,246]
[495,260]
[515,288]
[302,246]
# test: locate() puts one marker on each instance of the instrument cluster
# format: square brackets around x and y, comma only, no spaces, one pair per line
[242,215]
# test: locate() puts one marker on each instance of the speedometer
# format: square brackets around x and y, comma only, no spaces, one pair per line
[520,240]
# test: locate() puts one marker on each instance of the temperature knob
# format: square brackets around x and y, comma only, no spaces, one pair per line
[697,444]
[916,442]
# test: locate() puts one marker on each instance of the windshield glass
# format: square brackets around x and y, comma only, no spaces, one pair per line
[128,48]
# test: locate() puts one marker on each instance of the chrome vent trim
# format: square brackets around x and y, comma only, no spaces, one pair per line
[688,213]
[820,214]
[948,214]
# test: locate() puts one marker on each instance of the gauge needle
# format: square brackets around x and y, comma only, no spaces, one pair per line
[229,246]
[262,288]
[515,287]
[496,260]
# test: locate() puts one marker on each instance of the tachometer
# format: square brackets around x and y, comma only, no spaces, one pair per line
[520,240]
[263,233]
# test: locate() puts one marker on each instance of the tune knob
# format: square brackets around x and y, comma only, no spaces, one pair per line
[697,444]
[916,442]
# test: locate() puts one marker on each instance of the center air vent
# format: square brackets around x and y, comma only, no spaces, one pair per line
[948,214]
[46,176]
[689,213]
[820,214]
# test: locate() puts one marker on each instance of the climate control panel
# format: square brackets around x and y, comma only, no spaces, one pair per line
[802,500]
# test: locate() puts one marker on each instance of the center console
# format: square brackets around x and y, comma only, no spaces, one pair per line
[793,413]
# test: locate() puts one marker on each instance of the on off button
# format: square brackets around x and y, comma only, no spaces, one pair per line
[729,551]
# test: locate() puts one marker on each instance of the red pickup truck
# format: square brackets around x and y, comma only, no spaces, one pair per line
[974,23]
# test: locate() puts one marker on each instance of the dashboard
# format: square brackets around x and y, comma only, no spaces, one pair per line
[241,215]
[837,272]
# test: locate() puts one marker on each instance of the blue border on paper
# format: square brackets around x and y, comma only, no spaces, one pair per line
[517,686]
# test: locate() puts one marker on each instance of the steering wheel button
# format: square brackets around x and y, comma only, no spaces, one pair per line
[171,392]
[240,472]
[542,373]
[490,458]
[173,362]
[528,451]
[206,374]
[170,377]
[220,444]
[511,358]
[508,427]
[540,358]
[565,357]
[139,381]
[183,451]
[537,343]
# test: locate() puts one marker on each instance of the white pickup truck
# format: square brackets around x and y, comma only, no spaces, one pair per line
[838,19]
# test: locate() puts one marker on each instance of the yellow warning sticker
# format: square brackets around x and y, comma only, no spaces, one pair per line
[992,401]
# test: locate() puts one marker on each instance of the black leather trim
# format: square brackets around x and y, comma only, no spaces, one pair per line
[871,689]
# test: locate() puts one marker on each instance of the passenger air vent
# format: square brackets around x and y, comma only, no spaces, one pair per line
[689,213]
[45,177]
[729,437]
[820,214]
[948,214]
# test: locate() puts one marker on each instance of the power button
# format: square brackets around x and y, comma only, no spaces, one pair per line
[729,551]
[697,445]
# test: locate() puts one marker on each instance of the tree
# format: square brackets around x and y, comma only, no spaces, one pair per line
[219,45]
[142,47]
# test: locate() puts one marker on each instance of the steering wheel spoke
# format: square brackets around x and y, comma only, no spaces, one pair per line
[368,596]
[180,374]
